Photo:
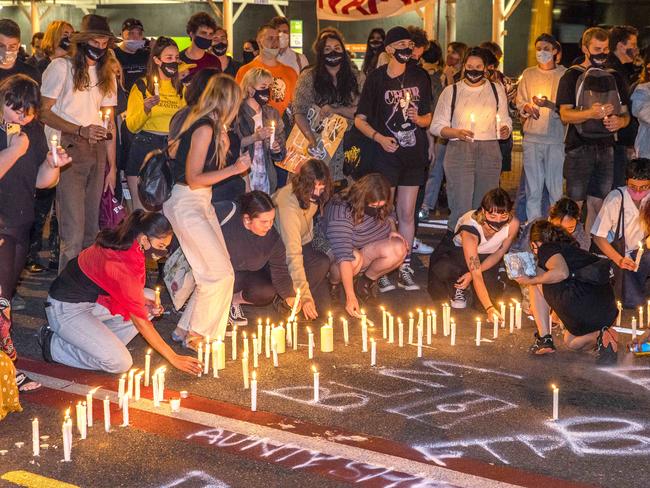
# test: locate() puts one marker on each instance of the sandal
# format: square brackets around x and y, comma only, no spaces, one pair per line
[25,384]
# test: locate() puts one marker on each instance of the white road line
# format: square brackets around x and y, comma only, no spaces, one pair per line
[319,444]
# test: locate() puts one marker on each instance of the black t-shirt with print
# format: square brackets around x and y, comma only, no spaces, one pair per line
[384,104]
[566,95]
[134,66]
[21,68]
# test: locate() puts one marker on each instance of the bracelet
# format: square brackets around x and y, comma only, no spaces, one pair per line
[488,309]
[373,135]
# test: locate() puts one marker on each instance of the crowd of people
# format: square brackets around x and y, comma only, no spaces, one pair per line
[88,109]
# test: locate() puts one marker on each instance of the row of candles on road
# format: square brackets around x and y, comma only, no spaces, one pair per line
[641,322]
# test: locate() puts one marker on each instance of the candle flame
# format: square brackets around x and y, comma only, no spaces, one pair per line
[308,330]
[411,315]
[244,334]
[363,312]
[554,387]
[383,309]
[155,79]
[259,321]
[92,392]
[124,376]
[254,336]
[148,352]
[313,368]
[254,375]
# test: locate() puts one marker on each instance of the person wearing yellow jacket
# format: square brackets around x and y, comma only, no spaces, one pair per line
[153,101]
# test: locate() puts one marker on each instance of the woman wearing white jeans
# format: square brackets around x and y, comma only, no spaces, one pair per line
[200,163]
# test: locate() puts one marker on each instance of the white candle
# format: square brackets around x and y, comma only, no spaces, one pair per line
[411,325]
[244,369]
[83,427]
[400,332]
[106,118]
[129,388]
[255,356]
[260,335]
[310,343]
[364,335]
[502,306]
[434,320]
[156,397]
[54,145]
[279,337]
[420,317]
[295,335]
[221,356]
[138,380]
[472,122]
[429,324]
[125,411]
[66,432]
[200,354]
[147,367]
[89,404]
[267,339]
[556,402]
[641,317]
[453,333]
[498,133]
[289,333]
[175,404]
[234,343]
[384,322]
[619,306]
[639,255]
[478,332]
[420,334]
[495,333]
[107,414]
[156,86]
[316,384]
[36,438]
[391,329]
[326,338]
[161,384]
[254,392]
[275,356]
[346,331]
[518,314]
[373,352]
[330,319]
[633,326]
[296,301]
[512,318]
[272,139]
[157,299]
[245,342]
[120,390]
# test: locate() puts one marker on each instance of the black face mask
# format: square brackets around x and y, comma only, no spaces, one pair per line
[374,45]
[262,96]
[474,75]
[333,59]
[64,43]
[403,55]
[155,254]
[95,53]
[202,42]
[372,211]
[247,56]
[170,69]
[313,198]
[598,60]
[220,48]
[496,226]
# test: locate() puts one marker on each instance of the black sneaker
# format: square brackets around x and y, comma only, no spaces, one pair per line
[365,288]
[237,316]
[606,347]
[406,280]
[45,341]
[542,345]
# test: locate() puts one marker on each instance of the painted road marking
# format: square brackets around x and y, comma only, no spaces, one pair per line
[32,480]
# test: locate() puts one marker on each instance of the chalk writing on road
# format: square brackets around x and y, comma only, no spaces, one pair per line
[195,479]
[638,375]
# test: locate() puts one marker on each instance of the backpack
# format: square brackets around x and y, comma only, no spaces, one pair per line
[595,85]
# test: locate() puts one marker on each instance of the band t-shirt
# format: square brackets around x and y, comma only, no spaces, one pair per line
[385,102]
[134,66]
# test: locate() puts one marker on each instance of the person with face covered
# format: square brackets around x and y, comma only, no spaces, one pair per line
[9,47]
[374,47]
[640,100]
[132,53]
[473,115]
[296,205]
[286,55]
[591,131]
[331,86]
[201,28]
[76,89]
[473,255]
[250,50]
[99,304]
[452,72]
[153,101]
[631,205]
[219,49]
[394,110]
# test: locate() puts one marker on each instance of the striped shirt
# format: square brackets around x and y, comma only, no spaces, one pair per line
[344,236]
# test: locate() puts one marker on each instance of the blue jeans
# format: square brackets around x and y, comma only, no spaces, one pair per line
[436,174]
[520,200]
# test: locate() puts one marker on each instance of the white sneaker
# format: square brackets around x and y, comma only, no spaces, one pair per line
[237,316]
[459,300]
[420,247]
[406,280]
[384,284]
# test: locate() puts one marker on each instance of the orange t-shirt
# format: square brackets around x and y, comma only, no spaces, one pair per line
[284,82]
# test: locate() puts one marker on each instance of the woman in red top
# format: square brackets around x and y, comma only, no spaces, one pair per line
[97,305]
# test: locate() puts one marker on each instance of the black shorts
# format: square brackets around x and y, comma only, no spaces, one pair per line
[589,171]
[402,170]
[141,145]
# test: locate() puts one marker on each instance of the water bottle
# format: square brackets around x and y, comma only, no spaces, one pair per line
[642,349]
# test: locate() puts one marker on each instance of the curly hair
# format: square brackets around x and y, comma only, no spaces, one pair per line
[346,88]
[371,188]
[543,231]
[303,182]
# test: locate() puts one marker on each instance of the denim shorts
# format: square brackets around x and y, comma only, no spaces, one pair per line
[589,171]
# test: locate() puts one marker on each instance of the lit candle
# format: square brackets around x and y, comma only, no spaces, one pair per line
[495,333]
[327,338]
[512,318]
[289,333]
[429,324]
[478,332]
[279,338]
[267,339]
[384,322]
[83,427]
[641,317]
[234,342]
[156,397]
[330,319]
[446,319]
[272,139]
[175,404]
[498,134]
[633,327]
[36,438]
[147,367]
[254,392]
[54,145]
[411,325]
[502,306]
[619,306]
[373,352]
[295,335]
[434,321]
[89,404]
[260,335]
[472,122]
[400,332]
[221,354]
[244,369]
[161,384]
[316,383]
[138,380]
[156,86]
[245,341]
[66,432]
[364,334]
[407,99]
[296,301]
[200,354]
[453,332]
[517,314]
[310,343]
[346,331]
[275,353]
[129,388]
[125,411]
[420,317]
[206,357]
[107,414]
[255,360]
[391,329]
[420,334]
[157,300]
[639,255]
[106,117]
[556,402]
[120,390]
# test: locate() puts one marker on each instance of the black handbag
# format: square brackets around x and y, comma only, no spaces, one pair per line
[597,273]
[358,154]
[156,179]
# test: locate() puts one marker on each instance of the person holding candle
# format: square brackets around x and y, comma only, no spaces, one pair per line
[630,205]
[201,28]
[333,87]
[396,123]
[97,305]
[543,130]
[587,308]
[473,157]
[261,130]
[153,101]
[75,89]
[473,255]
[257,254]
[363,239]
[296,205]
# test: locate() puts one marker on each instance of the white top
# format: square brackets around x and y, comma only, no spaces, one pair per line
[477,100]
[534,82]
[77,107]
[607,219]
[486,245]
[288,57]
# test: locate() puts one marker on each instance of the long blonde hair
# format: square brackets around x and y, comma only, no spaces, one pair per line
[220,100]
[53,35]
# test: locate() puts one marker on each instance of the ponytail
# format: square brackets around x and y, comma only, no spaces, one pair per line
[121,238]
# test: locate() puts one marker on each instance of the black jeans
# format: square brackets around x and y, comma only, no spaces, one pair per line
[14,245]
[43,205]
[256,286]
[317,265]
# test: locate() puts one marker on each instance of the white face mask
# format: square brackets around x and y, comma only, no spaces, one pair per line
[543,57]
[284,40]
[134,45]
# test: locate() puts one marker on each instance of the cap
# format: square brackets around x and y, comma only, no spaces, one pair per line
[397,34]
[132,23]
